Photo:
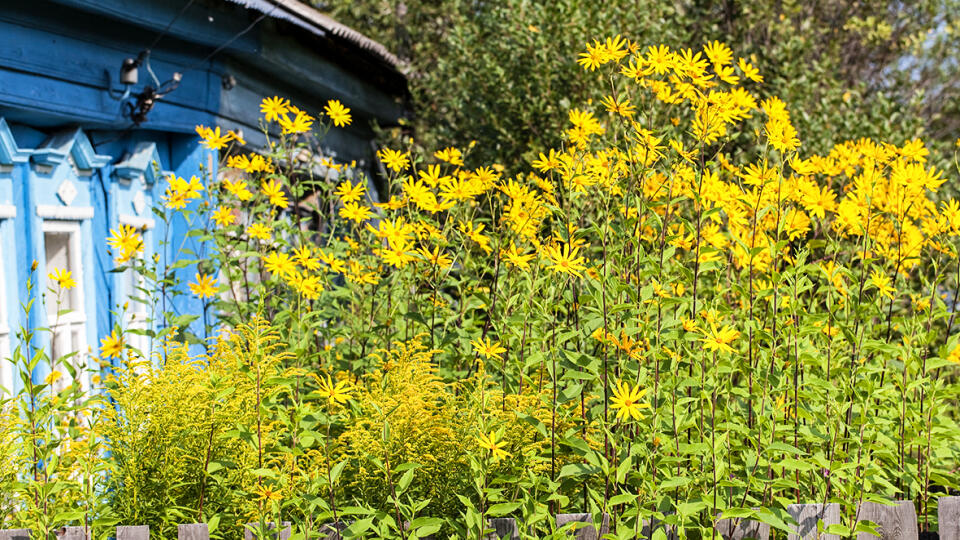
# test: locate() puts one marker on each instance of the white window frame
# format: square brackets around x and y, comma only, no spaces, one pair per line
[74,323]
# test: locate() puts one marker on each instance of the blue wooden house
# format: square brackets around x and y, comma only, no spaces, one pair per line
[99,98]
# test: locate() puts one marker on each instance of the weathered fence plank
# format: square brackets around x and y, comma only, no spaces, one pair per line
[898,522]
[73,533]
[894,522]
[503,528]
[807,516]
[332,530]
[252,531]
[193,531]
[948,518]
[586,531]
[652,525]
[743,529]
[133,532]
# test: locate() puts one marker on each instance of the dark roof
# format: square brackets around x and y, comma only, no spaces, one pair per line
[321,25]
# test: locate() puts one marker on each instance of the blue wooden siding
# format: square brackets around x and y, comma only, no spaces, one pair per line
[106,187]
[59,123]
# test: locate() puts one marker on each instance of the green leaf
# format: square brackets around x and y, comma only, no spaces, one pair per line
[405,480]
[502,509]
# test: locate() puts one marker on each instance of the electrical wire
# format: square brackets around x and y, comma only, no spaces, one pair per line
[146,99]
[170,24]
[227,43]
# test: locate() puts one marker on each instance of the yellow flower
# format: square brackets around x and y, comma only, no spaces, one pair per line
[52,377]
[273,107]
[660,59]
[547,162]
[126,241]
[620,107]
[212,138]
[305,259]
[436,257]
[719,339]
[758,174]
[396,256]
[111,346]
[260,231]
[267,494]
[749,71]
[62,278]
[488,349]
[238,188]
[279,263]
[274,191]
[432,176]
[335,394]
[564,259]
[490,442]
[205,286]
[224,216]
[954,355]
[450,155]
[335,264]
[179,191]
[396,232]
[393,159]
[350,192]
[338,114]
[236,136]
[355,212]
[517,257]
[476,235]
[882,283]
[718,53]
[300,123]
[626,401]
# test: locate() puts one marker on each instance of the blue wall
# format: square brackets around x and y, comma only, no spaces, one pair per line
[59,123]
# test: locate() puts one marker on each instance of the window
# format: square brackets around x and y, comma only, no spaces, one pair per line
[61,240]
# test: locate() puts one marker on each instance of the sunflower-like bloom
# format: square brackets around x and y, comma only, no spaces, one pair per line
[626,401]
[496,447]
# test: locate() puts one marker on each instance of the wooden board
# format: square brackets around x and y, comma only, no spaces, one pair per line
[503,528]
[193,531]
[15,534]
[331,531]
[133,532]
[898,522]
[652,525]
[807,516]
[72,533]
[948,518]
[586,531]
[743,529]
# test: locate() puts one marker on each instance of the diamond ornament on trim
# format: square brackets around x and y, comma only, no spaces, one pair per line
[139,203]
[67,192]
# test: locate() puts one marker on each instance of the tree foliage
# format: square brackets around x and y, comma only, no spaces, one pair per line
[502,72]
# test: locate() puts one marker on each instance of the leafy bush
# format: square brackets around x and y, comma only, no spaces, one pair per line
[502,72]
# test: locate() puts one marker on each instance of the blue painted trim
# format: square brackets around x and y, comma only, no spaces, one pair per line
[142,162]
[73,142]
[9,152]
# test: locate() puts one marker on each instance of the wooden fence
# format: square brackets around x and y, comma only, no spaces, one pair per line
[897,522]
